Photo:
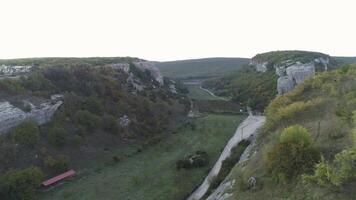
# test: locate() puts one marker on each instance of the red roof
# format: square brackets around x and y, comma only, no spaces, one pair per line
[58,178]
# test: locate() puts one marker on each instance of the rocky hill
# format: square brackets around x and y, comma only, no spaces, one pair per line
[292,67]
[307,147]
[62,113]
[270,74]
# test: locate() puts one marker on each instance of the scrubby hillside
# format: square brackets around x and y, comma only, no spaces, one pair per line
[270,73]
[247,87]
[307,148]
[201,68]
[105,103]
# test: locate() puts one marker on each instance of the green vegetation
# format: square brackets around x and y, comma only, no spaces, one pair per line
[198,159]
[56,165]
[340,171]
[292,155]
[88,125]
[206,67]
[320,113]
[197,93]
[276,57]
[227,165]
[22,184]
[151,173]
[26,133]
[246,87]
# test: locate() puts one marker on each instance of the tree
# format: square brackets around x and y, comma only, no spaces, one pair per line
[57,135]
[293,154]
[110,125]
[26,133]
[87,119]
[57,165]
[22,184]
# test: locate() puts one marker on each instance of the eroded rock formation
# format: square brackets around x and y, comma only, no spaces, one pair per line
[292,72]
[11,116]
[150,66]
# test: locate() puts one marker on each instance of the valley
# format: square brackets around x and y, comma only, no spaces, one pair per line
[130,132]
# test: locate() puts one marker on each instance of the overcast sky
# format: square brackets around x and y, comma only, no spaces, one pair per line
[175,29]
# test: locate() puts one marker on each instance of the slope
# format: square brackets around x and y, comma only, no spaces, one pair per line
[201,68]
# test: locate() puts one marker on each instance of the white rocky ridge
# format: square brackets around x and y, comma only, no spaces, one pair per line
[8,70]
[11,116]
[291,73]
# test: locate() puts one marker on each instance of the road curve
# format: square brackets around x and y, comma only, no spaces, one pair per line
[247,128]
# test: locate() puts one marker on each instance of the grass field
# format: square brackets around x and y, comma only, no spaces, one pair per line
[151,174]
[195,92]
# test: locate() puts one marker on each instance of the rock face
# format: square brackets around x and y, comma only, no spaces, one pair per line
[150,66]
[133,80]
[291,72]
[260,66]
[11,116]
[7,70]
[292,75]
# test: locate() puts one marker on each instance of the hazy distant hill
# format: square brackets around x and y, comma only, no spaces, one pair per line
[205,67]
[346,60]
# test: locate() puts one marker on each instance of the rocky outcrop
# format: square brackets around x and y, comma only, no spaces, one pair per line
[11,116]
[151,67]
[292,75]
[261,66]
[133,80]
[121,66]
[9,70]
[292,71]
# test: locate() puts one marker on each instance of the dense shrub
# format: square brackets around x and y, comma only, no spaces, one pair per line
[293,154]
[278,111]
[57,165]
[87,119]
[198,159]
[341,171]
[22,184]
[111,125]
[57,135]
[26,133]
[11,86]
[247,87]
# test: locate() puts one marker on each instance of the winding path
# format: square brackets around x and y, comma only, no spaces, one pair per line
[211,93]
[247,128]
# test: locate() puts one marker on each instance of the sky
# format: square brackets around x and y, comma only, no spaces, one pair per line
[165,30]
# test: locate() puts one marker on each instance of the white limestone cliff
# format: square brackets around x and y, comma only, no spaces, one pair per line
[292,73]
[11,116]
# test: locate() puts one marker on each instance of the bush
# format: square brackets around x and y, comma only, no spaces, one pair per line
[58,165]
[57,136]
[198,159]
[280,110]
[87,119]
[11,86]
[293,154]
[110,125]
[27,133]
[22,184]
[341,171]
